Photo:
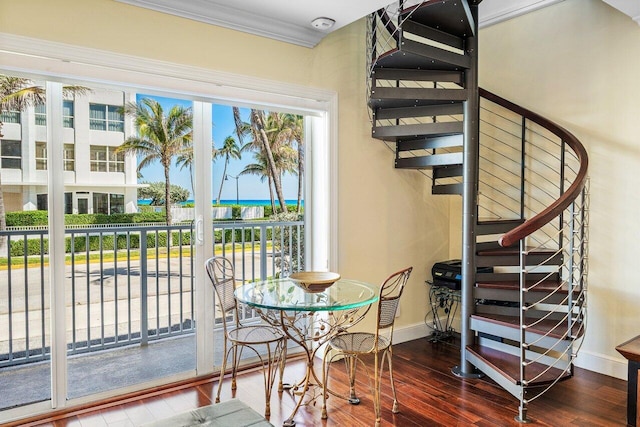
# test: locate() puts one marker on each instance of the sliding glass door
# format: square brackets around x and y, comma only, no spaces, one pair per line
[101,280]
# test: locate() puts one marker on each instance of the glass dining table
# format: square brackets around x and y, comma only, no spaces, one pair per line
[308,318]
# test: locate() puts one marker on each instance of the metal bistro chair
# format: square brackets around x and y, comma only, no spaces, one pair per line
[222,275]
[352,345]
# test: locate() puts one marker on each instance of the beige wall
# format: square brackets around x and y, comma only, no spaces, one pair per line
[578,63]
[387,218]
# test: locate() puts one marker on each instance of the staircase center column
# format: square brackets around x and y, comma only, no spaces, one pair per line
[471,109]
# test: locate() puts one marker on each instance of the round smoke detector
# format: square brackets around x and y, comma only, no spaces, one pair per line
[323,23]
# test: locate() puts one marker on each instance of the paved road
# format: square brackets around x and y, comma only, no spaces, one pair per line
[103,298]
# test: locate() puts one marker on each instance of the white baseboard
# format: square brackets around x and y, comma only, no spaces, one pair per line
[602,364]
[596,362]
[409,333]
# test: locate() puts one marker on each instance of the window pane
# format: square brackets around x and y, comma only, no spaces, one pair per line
[114,155]
[116,126]
[11,153]
[100,203]
[41,114]
[11,148]
[43,202]
[41,150]
[68,157]
[98,153]
[67,114]
[10,117]
[97,117]
[115,118]
[116,203]
[8,163]
[68,203]
[115,114]
[97,111]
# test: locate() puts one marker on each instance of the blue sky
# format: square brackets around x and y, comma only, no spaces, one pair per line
[249,186]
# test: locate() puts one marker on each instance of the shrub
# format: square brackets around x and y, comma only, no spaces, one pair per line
[95,242]
[32,246]
[235,235]
[27,218]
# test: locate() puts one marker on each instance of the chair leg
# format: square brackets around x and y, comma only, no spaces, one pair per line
[325,378]
[269,376]
[389,354]
[352,363]
[376,391]
[283,360]
[223,368]
[234,368]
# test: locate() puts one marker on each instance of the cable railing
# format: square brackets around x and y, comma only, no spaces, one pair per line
[126,285]
[557,347]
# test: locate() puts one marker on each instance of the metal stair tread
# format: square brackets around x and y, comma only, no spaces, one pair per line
[404,102]
[514,285]
[514,250]
[417,93]
[500,221]
[395,132]
[509,366]
[429,142]
[430,161]
[396,58]
[381,73]
[542,327]
[439,109]
[450,17]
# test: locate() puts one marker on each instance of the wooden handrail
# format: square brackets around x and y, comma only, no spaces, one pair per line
[574,190]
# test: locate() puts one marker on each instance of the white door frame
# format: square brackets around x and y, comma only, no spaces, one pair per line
[41,59]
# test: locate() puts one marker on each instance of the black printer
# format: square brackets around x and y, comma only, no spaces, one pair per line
[449,273]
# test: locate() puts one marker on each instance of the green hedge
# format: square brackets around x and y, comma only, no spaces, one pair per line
[33,218]
[27,218]
[80,243]
[235,235]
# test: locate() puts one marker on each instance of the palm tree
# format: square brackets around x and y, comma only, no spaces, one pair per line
[160,137]
[261,169]
[229,150]
[259,130]
[295,123]
[284,158]
[16,94]
[185,160]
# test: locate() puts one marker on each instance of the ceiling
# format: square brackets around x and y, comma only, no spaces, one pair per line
[290,21]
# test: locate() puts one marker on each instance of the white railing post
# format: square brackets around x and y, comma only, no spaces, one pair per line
[144,319]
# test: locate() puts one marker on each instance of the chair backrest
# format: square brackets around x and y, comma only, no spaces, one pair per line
[390,294]
[222,275]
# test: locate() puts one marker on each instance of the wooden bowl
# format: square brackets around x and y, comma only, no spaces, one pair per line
[314,281]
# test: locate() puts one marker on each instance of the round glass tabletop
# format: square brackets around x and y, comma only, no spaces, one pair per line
[285,294]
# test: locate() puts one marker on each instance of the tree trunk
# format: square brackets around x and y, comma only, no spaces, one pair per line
[167,195]
[3,216]
[224,174]
[300,175]
[3,219]
[167,205]
[259,121]
[273,202]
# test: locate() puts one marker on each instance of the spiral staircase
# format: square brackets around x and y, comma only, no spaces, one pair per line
[523,182]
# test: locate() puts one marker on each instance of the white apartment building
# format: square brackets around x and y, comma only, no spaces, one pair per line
[97,179]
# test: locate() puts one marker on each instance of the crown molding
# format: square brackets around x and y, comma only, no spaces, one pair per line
[628,7]
[495,11]
[30,55]
[235,19]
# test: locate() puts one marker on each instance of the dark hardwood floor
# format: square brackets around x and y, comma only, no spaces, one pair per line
[429,395]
